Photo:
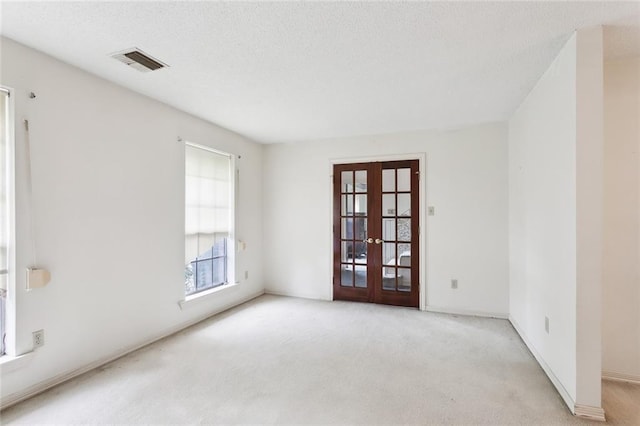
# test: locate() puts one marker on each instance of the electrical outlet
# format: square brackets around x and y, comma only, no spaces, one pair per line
[546,324]
[432,210]
[454,284]
[38,338]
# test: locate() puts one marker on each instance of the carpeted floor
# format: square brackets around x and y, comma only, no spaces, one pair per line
[279,360]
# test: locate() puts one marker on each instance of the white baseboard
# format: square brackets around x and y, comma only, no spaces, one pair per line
[556,382]
[40,387]
[584,411]
[590,413]
[621,377]
[287,294]
[428,308]
[465,312]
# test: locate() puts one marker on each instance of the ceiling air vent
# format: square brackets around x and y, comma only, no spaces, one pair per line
[139,60]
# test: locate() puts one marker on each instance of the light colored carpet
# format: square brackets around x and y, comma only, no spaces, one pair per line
[280,360]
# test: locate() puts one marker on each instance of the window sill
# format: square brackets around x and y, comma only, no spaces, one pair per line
[12,363]
[205,295]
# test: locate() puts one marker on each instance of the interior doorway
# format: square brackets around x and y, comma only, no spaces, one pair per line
[375,232]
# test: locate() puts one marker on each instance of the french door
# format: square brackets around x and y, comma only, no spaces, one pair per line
[375,232]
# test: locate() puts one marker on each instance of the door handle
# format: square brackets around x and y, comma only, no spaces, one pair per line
[379,241]
[368,240]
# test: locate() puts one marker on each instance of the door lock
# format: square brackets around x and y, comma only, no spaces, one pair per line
[368,240]
[379,241]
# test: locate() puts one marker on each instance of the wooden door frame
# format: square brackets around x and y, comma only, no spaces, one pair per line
[422,243]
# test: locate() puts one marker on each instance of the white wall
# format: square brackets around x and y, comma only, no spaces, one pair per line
[465,180]
[108,192]
[542,214]
[589,209]
[621,255]
[555,189]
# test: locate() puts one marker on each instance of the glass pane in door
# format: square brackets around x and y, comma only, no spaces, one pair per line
[361,181]
[389,277]
[404,204]
[388,180]
[347,181]
[388,253]
[404,230]
[360,230]
[347,205]
[404,180]
[388,204]
[346,250]
[389,263]
[389,229]
[360,269]
[361,204]
[404,249]
[404,279]
[346,275]
[360,252]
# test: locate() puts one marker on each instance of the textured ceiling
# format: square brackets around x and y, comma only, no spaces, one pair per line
[279,72]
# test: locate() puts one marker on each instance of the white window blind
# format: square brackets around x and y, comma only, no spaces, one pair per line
[207,193]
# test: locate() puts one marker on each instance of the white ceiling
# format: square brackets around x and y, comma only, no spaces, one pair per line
[292,71]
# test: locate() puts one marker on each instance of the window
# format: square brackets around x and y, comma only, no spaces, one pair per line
[4,212]
[208,218]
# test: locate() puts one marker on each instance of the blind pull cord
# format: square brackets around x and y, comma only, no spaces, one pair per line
[36,277]
[32,213]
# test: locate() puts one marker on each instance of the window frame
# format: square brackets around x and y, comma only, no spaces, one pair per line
[10,299]
[230,265]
